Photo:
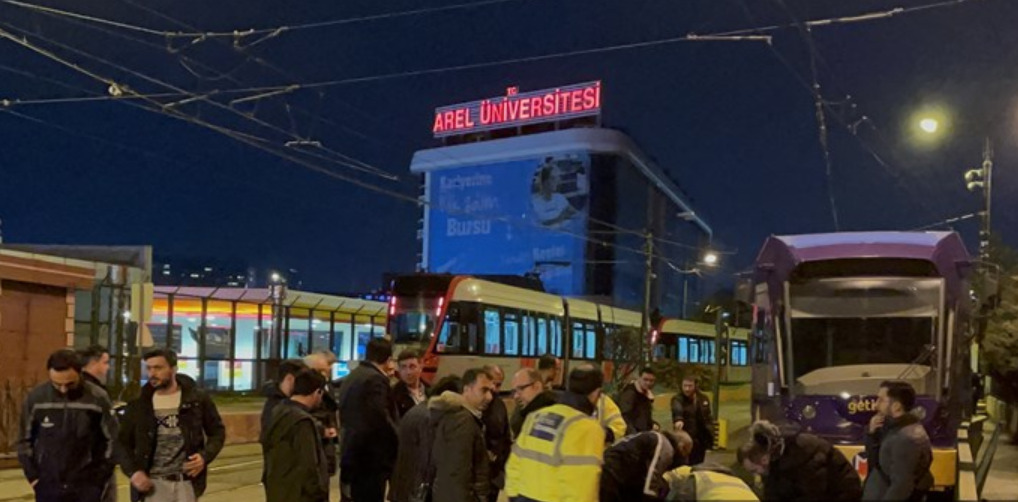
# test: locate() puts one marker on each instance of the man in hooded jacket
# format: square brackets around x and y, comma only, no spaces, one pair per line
[295,466]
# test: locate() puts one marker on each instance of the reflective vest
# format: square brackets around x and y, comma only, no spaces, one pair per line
[689,484]
[557,457]
[610,417]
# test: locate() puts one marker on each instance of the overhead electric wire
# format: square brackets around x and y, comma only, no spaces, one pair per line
[269,147]
[354,164]
[238,33]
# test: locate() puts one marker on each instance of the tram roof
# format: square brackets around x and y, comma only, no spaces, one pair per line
[782,254]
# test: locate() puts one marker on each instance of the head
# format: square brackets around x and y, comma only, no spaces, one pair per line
[308,387]
[527,384]
[549,366]
[682,443]
[161,365]
[95,361]
[409,367]
[496,374]
[64,368]
[288,369]
[689,385]
[450,383]
[321,362]
[586,380]
[647,378]
[379,352]
[765,444]
[895,398]
[477,388]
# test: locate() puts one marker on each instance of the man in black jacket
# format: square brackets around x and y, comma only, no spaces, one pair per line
[897,447]
[326,412]
[797,465]
[634,467]
[459,457]
[497,437]
[64,443]
[416,436]
[95,365]
[691,413]
[277,391]
[636,401]
[369,439]
[531,395]
[170,434]
[410,390]
[295,464]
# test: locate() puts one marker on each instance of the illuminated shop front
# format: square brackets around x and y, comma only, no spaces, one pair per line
[232,339]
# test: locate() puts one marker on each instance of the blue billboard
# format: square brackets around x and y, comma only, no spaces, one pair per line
[512,218]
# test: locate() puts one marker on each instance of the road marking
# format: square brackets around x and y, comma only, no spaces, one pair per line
[231,466]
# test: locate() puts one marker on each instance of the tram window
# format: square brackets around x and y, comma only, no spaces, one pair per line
[527,335]
[512,334]
[492,332]
[738,354]
[578,338]
[556,336]
[590,349]
[542,337]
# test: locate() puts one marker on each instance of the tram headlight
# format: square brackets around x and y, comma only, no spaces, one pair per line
[809,412]
[919,412]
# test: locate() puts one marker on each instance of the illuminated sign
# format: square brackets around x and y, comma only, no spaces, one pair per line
[516,109]
[862,406]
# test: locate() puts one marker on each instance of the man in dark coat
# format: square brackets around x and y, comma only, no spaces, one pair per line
[634,467]
[369,440]
[691,413]
[415,439]
[636,401]
[327,412]
[295,468]
[95,365]
[798,466]
[410,390]
[279,390]
[897,448]
[64,442]
[459,457]
[497,437]
[170,434]
[531,395]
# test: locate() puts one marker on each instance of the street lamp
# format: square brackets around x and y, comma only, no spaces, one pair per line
[710,258]
[929,125]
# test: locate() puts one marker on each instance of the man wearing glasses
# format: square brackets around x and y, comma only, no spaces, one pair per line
[530,394]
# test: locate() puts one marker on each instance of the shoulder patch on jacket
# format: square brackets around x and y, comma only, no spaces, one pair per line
[546,426]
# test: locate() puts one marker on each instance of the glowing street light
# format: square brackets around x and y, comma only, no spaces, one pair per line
[710,258]
[929,125]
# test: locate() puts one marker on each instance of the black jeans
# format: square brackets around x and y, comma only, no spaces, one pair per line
[367,486]
[48,492]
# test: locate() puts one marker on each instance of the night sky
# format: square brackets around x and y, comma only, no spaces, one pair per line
[732,121]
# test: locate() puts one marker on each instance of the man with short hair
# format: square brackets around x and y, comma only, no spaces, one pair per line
[530,394]
[370,440]
[170,434]
[411,478]
[95,365]
[558,454]
[295,463]
[897,447]
[691,413]
[460,462]
[65,442]
[326,413]
[496,432]
[410,390]
[636,401]
[551,371]
[277,391]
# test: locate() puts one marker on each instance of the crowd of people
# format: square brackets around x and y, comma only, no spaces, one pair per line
[453,441]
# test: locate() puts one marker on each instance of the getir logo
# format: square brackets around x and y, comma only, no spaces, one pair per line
[862,405]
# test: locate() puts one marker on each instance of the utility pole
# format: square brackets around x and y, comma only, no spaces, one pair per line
[648,276]
[982,178]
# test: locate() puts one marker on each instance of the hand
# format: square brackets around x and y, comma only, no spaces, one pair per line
[194,465]
[678,425]
[330,432]
[33,483]
[876,422]
[141,482]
